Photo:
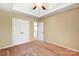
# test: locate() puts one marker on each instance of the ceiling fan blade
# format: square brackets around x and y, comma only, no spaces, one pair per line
[34,7]
[43,8]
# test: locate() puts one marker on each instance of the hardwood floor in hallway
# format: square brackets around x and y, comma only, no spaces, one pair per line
[37,48]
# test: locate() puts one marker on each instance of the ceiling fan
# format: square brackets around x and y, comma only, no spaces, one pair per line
[42,5]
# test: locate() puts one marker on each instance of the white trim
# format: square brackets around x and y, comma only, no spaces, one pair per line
[14,45]
[64,46]
[47,42]
[59,10]
[25,25]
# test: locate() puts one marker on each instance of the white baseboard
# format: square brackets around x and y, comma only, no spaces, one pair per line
[13,45]
[46,41]
[6,47]
[64,47]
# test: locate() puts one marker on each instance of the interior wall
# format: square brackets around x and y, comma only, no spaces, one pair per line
[6,27]
[63,29]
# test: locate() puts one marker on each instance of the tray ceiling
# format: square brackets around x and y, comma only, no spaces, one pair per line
[27,8]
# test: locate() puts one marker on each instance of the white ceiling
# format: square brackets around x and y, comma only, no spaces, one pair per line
[27,8]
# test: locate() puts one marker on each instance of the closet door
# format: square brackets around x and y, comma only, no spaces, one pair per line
[20,31]
[40,31]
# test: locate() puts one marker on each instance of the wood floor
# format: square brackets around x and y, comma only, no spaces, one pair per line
[37,48]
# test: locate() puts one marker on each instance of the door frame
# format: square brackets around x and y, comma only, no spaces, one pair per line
[39,29]
[13,44]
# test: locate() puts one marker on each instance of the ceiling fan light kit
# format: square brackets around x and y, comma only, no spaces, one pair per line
[42,5]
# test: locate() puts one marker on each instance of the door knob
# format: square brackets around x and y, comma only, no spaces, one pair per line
[21,32]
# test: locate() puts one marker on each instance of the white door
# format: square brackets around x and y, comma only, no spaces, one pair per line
[40,31]
[20,31]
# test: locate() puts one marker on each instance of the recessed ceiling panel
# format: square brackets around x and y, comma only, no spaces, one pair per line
[28,8]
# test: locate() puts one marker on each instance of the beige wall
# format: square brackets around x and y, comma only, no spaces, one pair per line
[63,29]
[6,27]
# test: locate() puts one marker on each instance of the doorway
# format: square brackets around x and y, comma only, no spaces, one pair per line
[40,31]
[20,31]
